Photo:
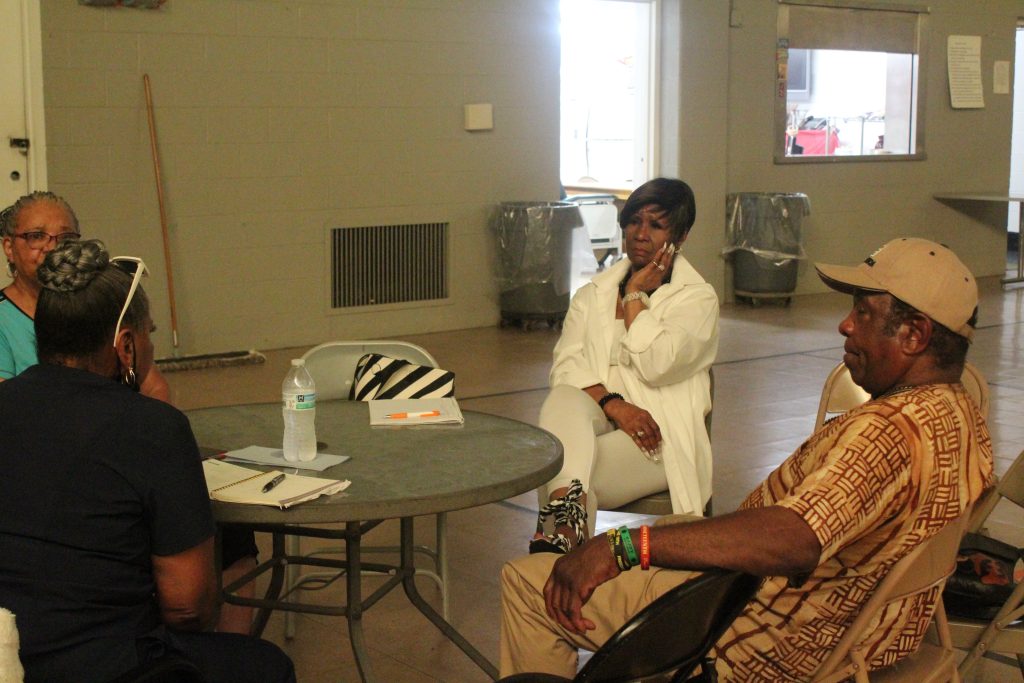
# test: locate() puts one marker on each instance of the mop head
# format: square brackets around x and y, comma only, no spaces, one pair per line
[211,360]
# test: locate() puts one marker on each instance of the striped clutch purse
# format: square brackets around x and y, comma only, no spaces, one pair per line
[379,377]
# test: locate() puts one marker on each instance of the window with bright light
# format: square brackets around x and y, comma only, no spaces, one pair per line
[848,81]
[606,108]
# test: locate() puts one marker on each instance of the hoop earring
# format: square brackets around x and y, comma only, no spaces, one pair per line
[129,379]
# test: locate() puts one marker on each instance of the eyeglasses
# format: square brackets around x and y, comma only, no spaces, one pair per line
[37,239]
[136,268]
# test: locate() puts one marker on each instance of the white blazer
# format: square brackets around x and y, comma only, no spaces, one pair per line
[664,358]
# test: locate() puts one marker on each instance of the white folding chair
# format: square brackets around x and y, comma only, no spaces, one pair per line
[1004,633]
[840,394]
[332,365]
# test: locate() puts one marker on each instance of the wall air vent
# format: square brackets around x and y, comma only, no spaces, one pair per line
[388,264]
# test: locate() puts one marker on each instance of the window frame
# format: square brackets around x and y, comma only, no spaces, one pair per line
[646,156]
[781,93]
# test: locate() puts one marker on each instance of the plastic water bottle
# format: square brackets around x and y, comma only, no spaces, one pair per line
[298,399]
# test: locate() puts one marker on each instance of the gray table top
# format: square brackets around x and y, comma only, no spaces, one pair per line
[395,471]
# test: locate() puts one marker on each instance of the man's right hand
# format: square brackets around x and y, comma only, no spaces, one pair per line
[573,580]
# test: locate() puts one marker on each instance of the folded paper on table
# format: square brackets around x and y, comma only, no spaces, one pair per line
[414,411]
[262,455]
[235,484]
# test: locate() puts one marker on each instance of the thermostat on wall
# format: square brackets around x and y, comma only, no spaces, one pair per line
[479,117]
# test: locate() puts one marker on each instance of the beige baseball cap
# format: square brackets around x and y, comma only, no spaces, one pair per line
[925,274]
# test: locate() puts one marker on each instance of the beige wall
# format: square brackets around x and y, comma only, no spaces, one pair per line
[279,119]
[855,207]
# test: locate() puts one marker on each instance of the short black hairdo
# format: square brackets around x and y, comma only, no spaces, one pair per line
[672,196]
[948,347]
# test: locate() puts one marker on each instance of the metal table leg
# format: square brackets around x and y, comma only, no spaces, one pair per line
[408,571]
[354,600]
[273,589]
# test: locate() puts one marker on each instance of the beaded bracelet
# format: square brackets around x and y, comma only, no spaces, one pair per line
[627,542]
[608,398]
[645,547]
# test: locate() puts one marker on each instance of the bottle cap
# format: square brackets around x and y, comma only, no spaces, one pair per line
[296,362]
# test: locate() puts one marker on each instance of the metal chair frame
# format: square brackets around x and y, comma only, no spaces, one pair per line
[1005,632]
[926,566]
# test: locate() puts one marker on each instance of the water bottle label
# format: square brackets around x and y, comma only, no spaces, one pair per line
[300,401]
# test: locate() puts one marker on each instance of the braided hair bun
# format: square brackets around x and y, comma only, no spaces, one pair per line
[73,265]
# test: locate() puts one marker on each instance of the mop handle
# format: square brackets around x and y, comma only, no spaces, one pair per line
[163,211]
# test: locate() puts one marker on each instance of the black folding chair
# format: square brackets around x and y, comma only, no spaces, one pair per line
[673,633]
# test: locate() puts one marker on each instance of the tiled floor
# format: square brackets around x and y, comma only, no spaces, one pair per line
[770,369]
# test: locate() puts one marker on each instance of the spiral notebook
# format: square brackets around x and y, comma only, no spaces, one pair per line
[230,483]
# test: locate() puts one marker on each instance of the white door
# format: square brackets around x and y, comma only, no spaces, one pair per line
[15,99]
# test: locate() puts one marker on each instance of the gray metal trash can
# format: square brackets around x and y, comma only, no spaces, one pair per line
[763,235]
[534,260]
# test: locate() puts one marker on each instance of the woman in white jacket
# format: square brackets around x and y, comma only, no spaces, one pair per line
[630,380]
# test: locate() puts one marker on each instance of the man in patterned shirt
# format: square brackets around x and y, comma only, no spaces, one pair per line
[827,525]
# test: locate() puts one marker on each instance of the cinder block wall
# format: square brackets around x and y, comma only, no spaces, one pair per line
[278,120]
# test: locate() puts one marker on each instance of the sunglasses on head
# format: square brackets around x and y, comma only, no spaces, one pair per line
[135,267]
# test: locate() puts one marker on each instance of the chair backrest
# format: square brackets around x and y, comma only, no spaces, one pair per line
[840,394]
[977,386]
[1009,486]
[927,565]
[675,631]
[333,364]
[10,665]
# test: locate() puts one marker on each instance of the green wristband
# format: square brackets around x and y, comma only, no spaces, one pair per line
[627,543]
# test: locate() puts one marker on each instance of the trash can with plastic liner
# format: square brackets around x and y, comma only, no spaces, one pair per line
[534,260]
[763,236]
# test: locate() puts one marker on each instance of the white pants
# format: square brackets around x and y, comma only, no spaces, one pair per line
[606,460]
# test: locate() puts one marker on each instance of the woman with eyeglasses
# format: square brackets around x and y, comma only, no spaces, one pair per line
[30,229]
[106,531]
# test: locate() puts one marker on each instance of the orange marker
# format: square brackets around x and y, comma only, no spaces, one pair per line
[403,416]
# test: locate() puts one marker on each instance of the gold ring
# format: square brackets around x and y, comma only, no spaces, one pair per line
[660,267]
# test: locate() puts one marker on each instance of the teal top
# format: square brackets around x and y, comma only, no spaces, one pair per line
[17,339]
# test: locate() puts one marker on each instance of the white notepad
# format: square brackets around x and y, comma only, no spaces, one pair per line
[236,484]
[406,412]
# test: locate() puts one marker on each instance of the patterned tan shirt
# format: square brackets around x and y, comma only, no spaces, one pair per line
[872,484]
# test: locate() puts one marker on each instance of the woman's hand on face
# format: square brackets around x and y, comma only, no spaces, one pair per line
[653,274]
[636,422]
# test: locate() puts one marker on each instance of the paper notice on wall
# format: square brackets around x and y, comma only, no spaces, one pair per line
[963,57]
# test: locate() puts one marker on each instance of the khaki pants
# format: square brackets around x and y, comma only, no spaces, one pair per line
[533,642]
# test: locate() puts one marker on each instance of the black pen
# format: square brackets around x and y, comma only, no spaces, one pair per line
[273,482]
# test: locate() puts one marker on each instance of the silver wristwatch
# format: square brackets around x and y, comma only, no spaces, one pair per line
[633,296]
